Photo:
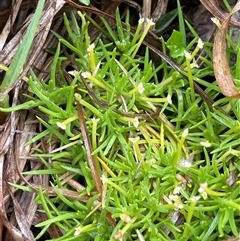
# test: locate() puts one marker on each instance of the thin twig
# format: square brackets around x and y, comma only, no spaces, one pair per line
[90,157]
[88,147]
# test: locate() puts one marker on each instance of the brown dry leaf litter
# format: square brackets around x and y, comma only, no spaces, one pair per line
[18,209]
[221,66]
[220,63]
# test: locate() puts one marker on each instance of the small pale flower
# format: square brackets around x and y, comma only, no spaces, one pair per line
[184,180]
[187,54]
[91,47]
[185,132]
[169,99]
[136,122]
[77,231]
[104,179]
[152,161]
[125,218]
[61,125]
[150,22]
[203,187]
[216,21]
[202,190]
[141,21]
[134,139]
[86,74]
[73,72]
[166,199]
[181,179]
[194,198]
[179,206]
[194,64]
[118,235]
[173,197]
[200,43]
[186,162]
[177,201]
[177,190]
[95,120]
[235,153]
[140,88]
[205,143]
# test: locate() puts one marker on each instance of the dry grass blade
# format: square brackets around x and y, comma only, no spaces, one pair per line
[17,210]
[232,239]
[3,216]
[8,173]
[6,55]
[146,9]
[74,195]
[220,62]
[91,160]
[159,9]
[88,147]
[214,7]
[22,218]
[7,27]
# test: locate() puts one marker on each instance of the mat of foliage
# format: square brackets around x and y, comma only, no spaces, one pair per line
[128,137]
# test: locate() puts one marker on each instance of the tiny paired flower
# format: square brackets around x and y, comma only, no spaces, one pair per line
[195,198]
[190,57]
[185,132]
[140,88]
[176,200]
[194,64]
[188,162]
[73,72]
[216,21]
[62,125]
[95,120]
[125,218]
[118,235]
[134,139]
[104,179]
[150,23]
[91,47]
[136,122]
[200,44]
[141,21]
[205,143]
[86,74]
[78,230]
[187,54]
[84,229]
[177,190]
[169,99]
[147,27]
[203,190]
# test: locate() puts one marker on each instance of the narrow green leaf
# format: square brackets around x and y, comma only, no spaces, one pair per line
[19,59]
[165,20]
[85,2]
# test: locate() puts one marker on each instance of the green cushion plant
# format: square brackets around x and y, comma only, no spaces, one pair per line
[149,159]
